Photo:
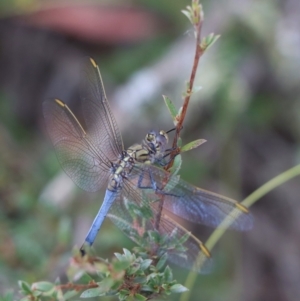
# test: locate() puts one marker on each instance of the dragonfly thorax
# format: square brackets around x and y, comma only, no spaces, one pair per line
[120,170]
[148,152]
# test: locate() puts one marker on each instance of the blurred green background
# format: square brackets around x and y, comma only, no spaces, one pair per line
[247,110]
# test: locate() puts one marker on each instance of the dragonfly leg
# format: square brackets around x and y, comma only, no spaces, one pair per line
[140,180]
[162,161]
[153,185]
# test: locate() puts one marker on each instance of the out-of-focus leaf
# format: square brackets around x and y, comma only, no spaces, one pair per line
[121,265]
[194,13]
[176,165]
[85,278]
[192,145]
[70,294]
[92,292]
[208,41]
[188,13]
[145,264]
[139,297]
[162,261]
[104,287]
[170,106]
[25,287]
[168,275]
[178,288]
[43,286]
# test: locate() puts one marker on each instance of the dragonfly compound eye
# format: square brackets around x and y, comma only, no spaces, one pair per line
[150,137]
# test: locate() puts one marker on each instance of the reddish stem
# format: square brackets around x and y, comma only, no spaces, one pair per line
[198,53]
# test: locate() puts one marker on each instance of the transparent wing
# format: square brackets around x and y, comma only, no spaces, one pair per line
[190,202]
[78,156]
[136,218]
[100,122]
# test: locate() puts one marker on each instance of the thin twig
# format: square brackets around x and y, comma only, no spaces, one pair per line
[198,53]
[197,15]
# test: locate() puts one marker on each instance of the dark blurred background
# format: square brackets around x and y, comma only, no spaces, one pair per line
[248,110]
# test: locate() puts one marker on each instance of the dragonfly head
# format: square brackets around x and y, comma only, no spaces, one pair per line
[157,141]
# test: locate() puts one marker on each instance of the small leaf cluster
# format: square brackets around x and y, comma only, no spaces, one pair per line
[129,276]
[194,12]
[196,16]
[160,245]
[145,280]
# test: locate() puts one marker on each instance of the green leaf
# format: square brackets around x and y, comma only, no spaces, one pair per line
[85,278]
[139,297]
[127,253]
[103,288]
[121,265]
[119,256]
[192,145]
[123,297]
[25,287]
[154,236]
[92,292]
[170,106]
[162,261]
[43,286]
[123,294]
[178,116]
[187,13]
[168,275]
[145,264]
[178,288]
[36,294]
[194,13]
[148,288]
[208,41]
[70,294]
[184,238]
[176,165]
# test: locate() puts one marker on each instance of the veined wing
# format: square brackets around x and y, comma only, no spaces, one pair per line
[188,201]
[136,218]
[100,122]
[78,156]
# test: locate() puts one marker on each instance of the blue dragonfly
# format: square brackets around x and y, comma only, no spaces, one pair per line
[139,195]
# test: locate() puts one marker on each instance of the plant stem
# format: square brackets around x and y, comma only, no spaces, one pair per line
[198,53]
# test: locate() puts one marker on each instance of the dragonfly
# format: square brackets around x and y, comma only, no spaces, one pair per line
[139,195]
